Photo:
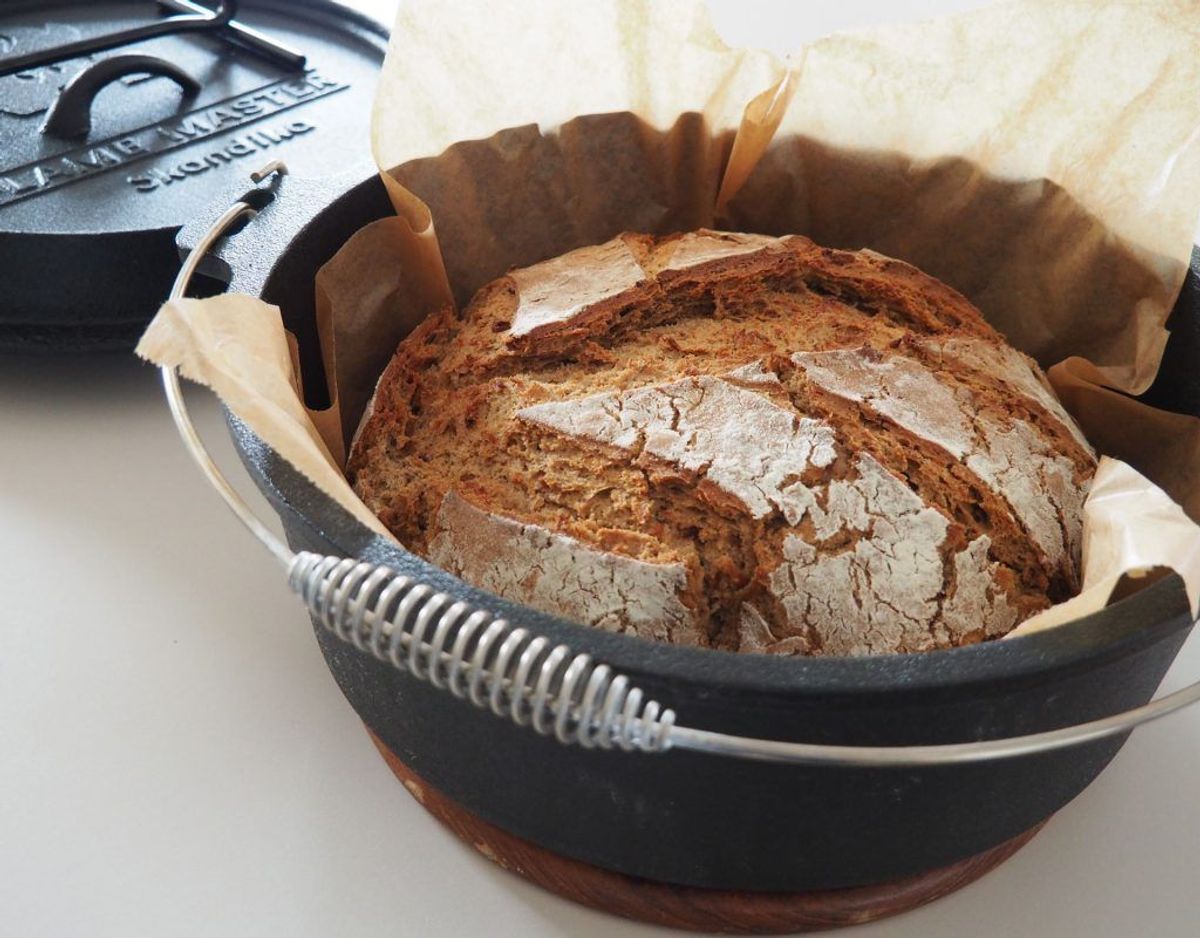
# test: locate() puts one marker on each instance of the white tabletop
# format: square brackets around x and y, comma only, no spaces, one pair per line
[176,760]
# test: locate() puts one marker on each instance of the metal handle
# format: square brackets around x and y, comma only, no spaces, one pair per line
[71,115]
[207,19]
[517,675]
[183,421]
[245,36]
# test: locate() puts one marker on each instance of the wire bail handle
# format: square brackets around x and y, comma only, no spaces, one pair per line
[519,676]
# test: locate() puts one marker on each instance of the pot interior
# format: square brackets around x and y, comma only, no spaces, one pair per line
[287,283]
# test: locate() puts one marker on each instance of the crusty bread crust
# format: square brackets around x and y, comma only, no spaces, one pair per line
[732,441]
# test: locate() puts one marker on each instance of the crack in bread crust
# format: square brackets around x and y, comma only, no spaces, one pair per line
[1004,452]
[658,406]
[867,529]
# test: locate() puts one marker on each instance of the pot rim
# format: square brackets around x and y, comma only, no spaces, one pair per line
[1121,629]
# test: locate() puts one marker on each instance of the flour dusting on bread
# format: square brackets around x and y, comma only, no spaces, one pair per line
[557,290]
[736,441]
[533,565]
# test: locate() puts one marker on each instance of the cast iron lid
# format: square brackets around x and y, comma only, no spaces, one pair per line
[105,155]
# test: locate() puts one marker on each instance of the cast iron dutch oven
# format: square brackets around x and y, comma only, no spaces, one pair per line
[695,818]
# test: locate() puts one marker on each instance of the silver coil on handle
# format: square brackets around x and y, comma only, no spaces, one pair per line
[519,676]
[476,656]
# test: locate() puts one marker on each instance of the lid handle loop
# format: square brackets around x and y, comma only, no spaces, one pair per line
[71,114]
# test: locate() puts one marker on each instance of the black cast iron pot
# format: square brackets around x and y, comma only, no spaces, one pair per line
[703,820]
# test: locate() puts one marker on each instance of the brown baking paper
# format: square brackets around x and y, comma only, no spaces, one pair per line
[237,346]
[1042,158]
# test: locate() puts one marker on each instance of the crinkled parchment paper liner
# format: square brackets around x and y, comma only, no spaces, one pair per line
[1042,158]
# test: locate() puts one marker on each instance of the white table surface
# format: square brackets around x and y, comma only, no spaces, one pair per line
[175,760]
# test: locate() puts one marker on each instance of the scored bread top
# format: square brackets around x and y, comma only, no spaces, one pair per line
[734,441]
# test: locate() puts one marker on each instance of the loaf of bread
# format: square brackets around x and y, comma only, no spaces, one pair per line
[732,441]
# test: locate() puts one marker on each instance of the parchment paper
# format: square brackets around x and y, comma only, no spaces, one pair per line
[1042,158]
[237,346]
[1131,529]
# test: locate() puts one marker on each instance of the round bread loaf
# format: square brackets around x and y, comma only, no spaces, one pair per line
[733,441]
